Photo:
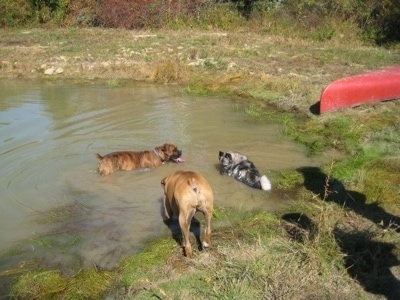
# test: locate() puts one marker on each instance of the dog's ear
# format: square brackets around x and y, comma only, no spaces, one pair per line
[229,155]
[220,154]
[163,182]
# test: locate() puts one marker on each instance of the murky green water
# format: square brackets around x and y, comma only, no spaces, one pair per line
[50,132]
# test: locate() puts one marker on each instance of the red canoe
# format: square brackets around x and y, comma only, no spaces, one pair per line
[379,85]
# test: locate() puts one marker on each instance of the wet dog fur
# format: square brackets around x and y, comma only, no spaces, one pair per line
[185,193]
[130,160]
[242,169]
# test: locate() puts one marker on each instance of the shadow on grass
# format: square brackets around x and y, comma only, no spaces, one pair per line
[367,261]
[176,233]
[315,108]
[315,181]
[195,228]
[299,227]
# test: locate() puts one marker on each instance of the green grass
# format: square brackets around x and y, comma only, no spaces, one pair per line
[255,254]
[253,260]
[39,285]
[279,71]
[137,268]
[113,83]
[53,285]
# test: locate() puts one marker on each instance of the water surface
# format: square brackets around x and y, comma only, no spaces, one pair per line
[50,132]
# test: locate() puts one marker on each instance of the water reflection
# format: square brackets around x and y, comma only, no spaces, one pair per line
[50,132]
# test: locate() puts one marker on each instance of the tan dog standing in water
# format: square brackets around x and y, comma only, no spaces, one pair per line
[185,193]
[129,160]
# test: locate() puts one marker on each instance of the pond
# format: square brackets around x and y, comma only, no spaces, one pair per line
[54,204]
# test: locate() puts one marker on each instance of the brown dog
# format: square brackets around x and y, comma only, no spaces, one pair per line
[129,160]
[185,193]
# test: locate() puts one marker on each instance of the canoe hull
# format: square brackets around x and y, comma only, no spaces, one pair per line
[379,85]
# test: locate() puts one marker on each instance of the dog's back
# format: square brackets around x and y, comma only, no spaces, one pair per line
[121,160]
[130,160]
[242,169]
[185,193]
[190,186]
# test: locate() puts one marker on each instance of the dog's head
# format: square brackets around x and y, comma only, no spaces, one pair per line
[169,152]
[227,160]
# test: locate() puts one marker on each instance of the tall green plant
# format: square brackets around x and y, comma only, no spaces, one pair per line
[380,21]
[14,13]
[49,10]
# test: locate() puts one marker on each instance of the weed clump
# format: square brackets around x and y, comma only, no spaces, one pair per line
[89,284]
[39,285]
[170,72]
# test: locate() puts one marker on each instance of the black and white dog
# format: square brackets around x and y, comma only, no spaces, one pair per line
[241,168]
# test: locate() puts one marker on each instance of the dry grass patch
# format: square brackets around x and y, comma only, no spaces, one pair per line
[253,259]
[170,72]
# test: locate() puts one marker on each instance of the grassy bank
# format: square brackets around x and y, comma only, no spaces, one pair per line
[340,239]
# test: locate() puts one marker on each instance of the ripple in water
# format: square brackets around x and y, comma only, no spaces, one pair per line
[51,131]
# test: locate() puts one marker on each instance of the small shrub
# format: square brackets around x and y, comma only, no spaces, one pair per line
[46,11]
[14,13]
[170,72]
[380,21]
[144,13]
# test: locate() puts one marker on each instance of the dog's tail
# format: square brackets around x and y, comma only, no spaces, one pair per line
[265,183]
[99,156]
[193,185]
